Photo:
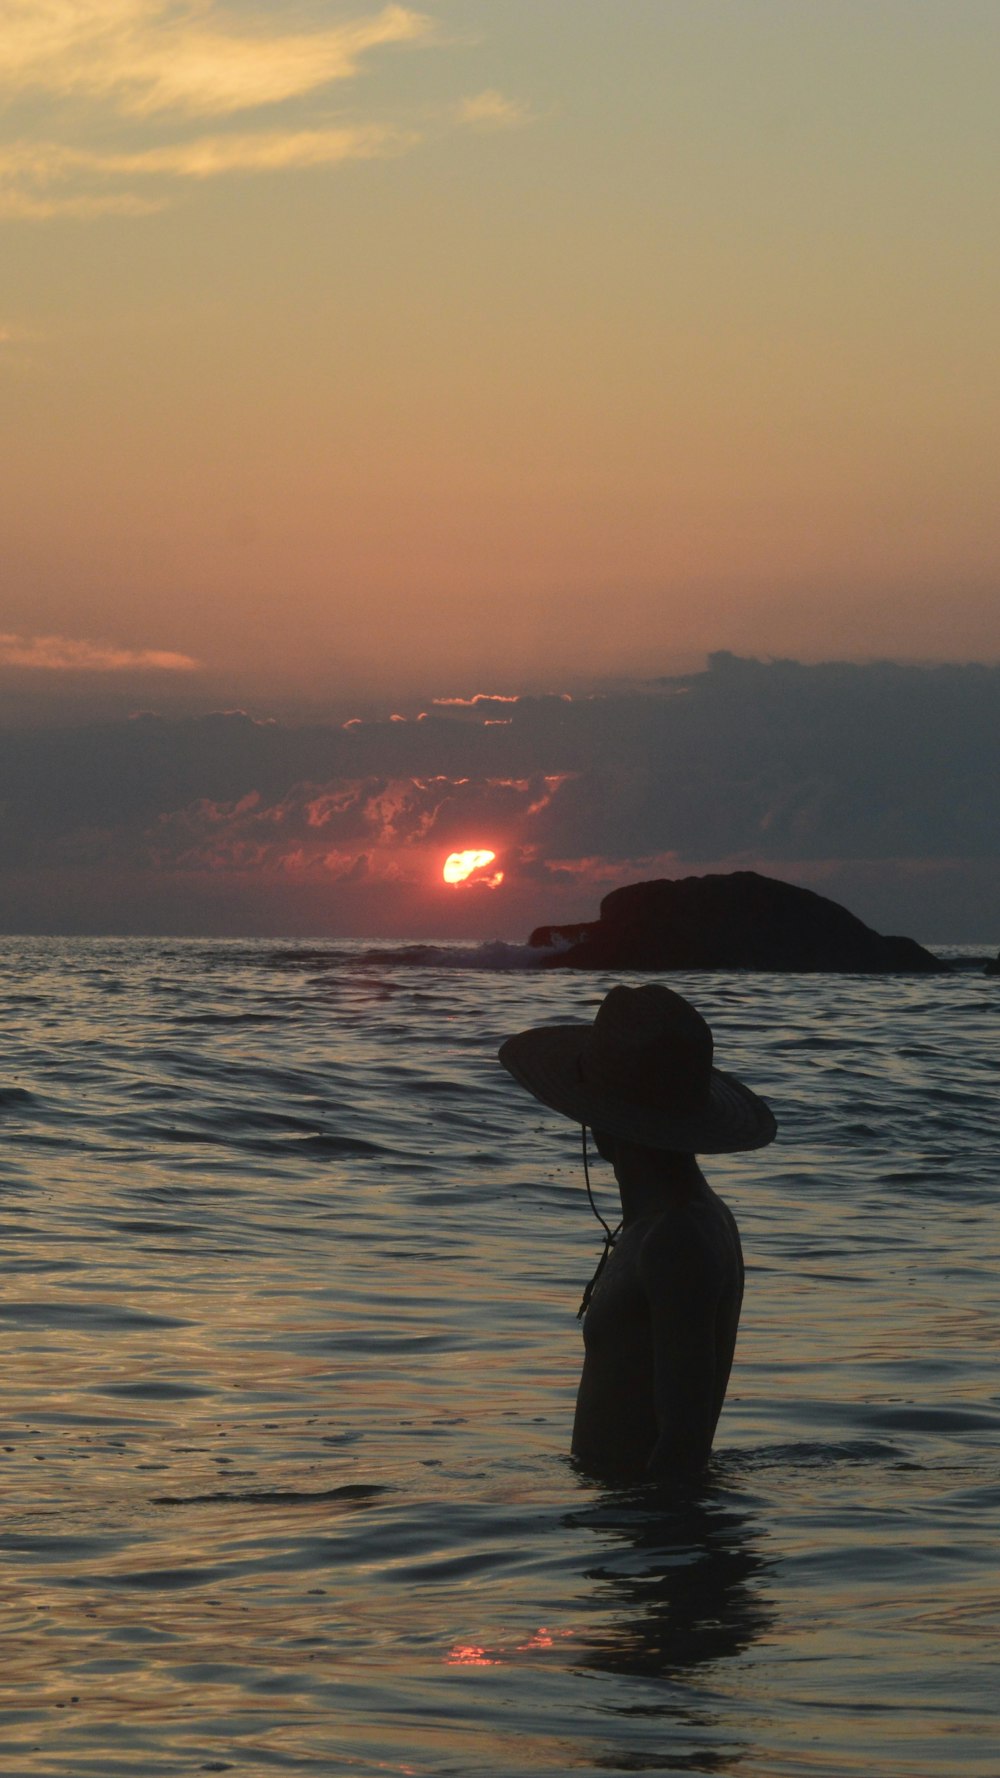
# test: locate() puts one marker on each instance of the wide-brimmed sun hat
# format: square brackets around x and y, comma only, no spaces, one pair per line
[643,1070]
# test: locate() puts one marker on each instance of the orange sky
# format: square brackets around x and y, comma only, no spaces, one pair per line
[353,349]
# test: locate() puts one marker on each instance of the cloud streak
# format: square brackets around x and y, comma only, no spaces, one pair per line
[149,56]
[151,65]
[66,654]
[29,170]
[137,72]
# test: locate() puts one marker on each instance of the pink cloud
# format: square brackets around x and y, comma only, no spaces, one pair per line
[479,697]
[552,785]
[67,654]
[324,828]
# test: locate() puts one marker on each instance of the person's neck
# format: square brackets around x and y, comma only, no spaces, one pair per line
[653,1181]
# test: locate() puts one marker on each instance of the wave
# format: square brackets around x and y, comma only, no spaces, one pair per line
[493,954]
[496,954]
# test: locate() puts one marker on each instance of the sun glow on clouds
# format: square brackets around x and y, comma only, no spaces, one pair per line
[468,867]
[479,697]
[384,829]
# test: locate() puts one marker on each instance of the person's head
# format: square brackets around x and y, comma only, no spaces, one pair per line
[617,1148]
[642,1073]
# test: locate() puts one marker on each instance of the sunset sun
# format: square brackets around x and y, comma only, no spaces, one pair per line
[472,867]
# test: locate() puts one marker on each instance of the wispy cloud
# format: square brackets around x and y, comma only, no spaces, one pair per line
[66,654]
[150,56]
[492,110]
[150,65]
[30,206]
[38,178]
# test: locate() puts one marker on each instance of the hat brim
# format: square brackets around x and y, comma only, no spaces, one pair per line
[546,1060]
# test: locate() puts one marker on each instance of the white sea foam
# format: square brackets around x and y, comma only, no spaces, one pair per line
[494,953]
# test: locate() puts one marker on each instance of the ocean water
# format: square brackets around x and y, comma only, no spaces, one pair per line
[290,1351]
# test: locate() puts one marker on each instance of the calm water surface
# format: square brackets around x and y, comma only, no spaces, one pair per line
[290,1354]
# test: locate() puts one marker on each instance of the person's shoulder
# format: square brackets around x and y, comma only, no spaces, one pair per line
[684,1238]
[691,1239]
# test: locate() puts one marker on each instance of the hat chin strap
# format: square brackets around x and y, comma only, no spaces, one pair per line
[610,1237]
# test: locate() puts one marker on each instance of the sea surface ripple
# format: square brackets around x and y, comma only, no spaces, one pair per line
[291,1272]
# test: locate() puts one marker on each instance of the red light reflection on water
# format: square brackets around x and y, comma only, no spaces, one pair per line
[476,1654]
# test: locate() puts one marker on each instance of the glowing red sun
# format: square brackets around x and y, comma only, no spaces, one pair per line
[471,867]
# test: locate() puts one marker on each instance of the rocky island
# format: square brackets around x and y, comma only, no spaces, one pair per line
[740,920]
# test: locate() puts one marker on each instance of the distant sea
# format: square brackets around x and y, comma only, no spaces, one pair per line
[290,1351]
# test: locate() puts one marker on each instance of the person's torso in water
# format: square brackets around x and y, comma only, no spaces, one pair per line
[673,1278]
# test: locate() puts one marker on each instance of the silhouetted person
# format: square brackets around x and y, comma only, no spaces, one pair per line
[664,1305]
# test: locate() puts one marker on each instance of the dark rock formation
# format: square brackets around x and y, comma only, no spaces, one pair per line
[738,921]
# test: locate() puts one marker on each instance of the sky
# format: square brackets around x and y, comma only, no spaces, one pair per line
[354,357]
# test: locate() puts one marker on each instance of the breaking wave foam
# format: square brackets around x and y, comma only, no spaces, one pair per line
[495,954]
